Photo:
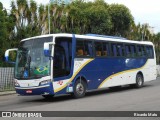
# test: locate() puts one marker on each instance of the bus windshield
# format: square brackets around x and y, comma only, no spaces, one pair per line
[31,62]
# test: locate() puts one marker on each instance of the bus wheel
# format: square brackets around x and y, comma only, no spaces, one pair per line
[48,96]
[139,81]
[79,89]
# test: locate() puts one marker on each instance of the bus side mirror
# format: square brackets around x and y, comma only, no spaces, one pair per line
[47,51]
[7,55]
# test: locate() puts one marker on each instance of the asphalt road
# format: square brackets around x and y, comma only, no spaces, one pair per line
[123,99]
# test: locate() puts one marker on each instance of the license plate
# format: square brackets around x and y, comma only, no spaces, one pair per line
[29,91]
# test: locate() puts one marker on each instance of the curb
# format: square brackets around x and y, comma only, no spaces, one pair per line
[7,93]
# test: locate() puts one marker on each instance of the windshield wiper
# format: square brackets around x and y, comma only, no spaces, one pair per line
[29,78]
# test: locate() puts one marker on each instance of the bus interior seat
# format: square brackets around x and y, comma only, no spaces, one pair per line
[80,52]
[98,53]
[104,53]
[86,53]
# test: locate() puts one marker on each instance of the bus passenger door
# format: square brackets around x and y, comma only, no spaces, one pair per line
[62,58]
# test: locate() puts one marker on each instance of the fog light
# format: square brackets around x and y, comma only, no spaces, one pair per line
[45,82]
[46,93]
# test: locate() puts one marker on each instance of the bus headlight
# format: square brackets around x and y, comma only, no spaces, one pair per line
[45,82]
[16,83]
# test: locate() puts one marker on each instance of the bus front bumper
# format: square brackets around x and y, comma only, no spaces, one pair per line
[39,90]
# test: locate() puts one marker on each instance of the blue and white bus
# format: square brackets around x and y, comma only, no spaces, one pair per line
[56,64]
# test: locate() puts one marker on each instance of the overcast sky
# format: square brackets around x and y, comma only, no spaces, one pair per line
[143,11]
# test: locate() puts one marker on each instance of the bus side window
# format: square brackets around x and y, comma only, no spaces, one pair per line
[98,49]
[105,51]
[133,51]
[114,50]
[128,50]
[79,48]
[143,51]
[139,50]
[120,50]
[149,51]
[88,51]
[84,48]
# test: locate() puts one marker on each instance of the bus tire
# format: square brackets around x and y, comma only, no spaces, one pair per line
[79,89]
[139,81]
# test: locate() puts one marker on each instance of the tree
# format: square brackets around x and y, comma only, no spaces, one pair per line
[43,19]
[5,28]
[26,20]
[32,18]
[100,19]
[59,14]
[121,19]
[19,9]
[90,17]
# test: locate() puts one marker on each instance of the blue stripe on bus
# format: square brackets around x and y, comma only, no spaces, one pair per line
[102,68]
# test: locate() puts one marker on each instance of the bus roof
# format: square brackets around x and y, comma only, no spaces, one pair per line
[94,37]
[106,36]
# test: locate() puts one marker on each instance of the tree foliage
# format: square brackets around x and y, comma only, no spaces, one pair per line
[6,26]
[77,17]
[121,19]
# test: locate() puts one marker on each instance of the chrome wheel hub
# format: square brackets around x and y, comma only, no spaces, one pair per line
[139,81]
[79,88]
